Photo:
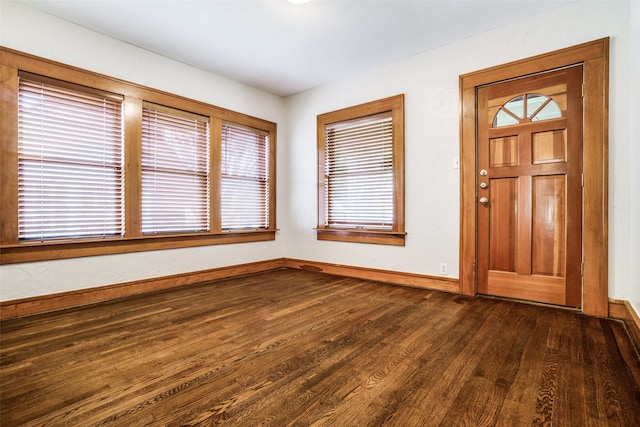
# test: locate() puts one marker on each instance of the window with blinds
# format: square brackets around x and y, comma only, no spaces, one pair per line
[359,187]
[92,165]
[361,173]
[175,171]
[70,161]
[244,182]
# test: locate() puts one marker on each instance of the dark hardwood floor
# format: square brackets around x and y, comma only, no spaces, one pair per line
[291,347]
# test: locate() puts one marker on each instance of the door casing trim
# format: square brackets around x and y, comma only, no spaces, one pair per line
[594,56]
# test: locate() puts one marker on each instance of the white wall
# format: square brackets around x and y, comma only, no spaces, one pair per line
[430,84]
[28,30]
[632,290]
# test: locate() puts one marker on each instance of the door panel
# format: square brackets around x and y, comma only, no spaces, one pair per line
[529,188]
[549,146]
[503,151]
[548,230]
[502,235]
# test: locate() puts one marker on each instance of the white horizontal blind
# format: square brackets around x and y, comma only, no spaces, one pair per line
[70,174]
[359,182]
[244,178]
[175,171]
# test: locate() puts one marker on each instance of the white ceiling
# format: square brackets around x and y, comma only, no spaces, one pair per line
[286,48]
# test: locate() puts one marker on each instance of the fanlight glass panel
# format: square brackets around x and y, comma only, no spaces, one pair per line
[527,108]
[504,119]
[550,111]
[516,106]
[534,102]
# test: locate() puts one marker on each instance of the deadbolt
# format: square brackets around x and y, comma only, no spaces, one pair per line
[483,185]
[483,172]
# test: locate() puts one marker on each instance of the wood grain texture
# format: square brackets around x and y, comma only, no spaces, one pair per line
[395,277]
[507,284]
[27,252]
[534,204]
[292,347]
[64,300]
[8,153]
[623,310]
[595,59]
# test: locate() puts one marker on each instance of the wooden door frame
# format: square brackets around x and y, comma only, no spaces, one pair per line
[594,56]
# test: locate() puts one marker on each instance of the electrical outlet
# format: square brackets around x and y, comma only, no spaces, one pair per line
[443,268]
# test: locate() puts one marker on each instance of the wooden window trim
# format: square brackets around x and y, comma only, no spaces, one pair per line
[75,151]
[594,56]
[14,251]
[396,236]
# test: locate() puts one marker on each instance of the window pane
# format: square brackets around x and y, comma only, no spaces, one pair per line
[359,188]
[550,111]
[534,101]
[516,106]
[70,179]
[504,119]
[175,171]
[244,178]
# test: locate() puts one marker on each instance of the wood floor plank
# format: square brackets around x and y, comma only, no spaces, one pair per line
[292,347]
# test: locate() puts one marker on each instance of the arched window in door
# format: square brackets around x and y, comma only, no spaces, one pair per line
[527,108]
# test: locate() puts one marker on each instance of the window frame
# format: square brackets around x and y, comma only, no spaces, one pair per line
[161,173]
[12,250]
[82,137]
[395,236]
[229,129]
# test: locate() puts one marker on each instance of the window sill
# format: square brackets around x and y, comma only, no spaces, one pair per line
[361,236]
[63,249]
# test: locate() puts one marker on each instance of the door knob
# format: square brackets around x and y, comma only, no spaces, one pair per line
[484,200]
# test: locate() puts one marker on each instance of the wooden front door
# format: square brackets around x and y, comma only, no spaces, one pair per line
[529,192]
